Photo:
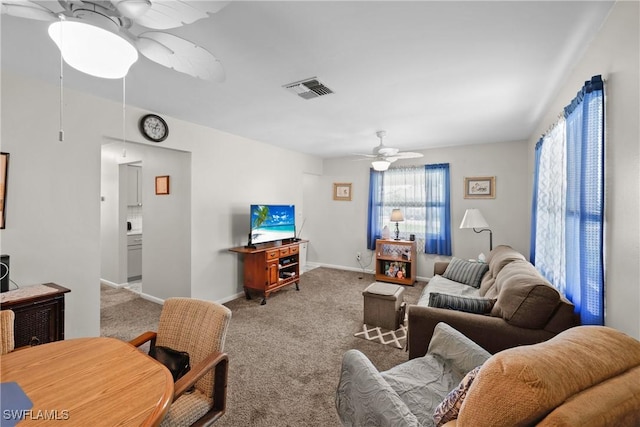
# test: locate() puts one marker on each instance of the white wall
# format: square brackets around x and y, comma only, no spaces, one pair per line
[230,173]
[53,201]
[615,54]
[53,205]
[346,222]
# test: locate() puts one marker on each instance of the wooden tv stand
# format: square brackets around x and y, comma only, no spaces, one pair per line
[270,266]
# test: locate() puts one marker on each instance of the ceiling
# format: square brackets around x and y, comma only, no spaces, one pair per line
[430,73]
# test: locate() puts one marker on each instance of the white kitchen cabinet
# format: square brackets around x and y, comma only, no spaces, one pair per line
[134,257]
[134,185]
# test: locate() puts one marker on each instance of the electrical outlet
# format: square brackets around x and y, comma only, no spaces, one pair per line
[358,256]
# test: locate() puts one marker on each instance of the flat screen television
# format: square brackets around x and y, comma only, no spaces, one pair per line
[270,223]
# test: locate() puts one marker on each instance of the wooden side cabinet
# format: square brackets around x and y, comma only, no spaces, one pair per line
[396,261]
[270,267]
[39,311]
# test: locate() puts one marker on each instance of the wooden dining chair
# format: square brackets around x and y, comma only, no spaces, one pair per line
[199,328]
[7,341]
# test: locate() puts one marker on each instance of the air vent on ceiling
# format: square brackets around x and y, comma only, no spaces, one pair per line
[309,88]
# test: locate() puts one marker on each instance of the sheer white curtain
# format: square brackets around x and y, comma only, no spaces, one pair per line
[404,188]
[551,202]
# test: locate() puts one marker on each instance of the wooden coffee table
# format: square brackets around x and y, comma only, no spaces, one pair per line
[90,382]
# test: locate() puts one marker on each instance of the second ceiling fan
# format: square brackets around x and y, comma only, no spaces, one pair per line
[383,156]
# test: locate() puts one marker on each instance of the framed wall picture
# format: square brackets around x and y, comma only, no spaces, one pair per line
[4,169]
[480,187]
[342,191]
[162,185]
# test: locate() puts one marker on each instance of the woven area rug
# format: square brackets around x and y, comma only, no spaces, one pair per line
[397,338]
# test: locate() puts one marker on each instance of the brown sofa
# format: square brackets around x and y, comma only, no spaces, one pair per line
[524,307]
[585,376]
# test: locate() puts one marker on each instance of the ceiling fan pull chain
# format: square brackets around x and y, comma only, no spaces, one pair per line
[124,114]
[61,131]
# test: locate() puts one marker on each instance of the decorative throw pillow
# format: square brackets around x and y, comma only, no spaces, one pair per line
[467,272]
[449,408]
[177,362]
[455,302]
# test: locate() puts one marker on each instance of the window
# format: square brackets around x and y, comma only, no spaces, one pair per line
[422,194]
[568,203]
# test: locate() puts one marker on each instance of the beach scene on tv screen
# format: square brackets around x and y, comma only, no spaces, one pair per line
[272,222]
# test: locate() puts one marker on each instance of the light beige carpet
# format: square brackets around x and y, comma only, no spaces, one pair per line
[285,356]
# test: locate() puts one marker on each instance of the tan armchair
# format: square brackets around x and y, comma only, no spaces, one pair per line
[199,328]
[7,319]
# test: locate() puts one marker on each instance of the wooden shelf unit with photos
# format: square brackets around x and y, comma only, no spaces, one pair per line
[396,261]
[270,266]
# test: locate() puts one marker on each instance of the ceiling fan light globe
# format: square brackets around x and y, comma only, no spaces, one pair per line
[380,165]
[93,50]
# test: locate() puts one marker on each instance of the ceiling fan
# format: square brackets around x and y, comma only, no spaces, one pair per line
[383,156]
[116,18]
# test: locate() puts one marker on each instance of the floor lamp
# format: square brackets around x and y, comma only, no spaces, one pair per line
[473,219]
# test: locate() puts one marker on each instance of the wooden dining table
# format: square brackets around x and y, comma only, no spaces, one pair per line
[88,382]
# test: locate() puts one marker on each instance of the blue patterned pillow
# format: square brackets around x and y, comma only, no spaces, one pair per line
[450,407]
[467,272]
[455,302]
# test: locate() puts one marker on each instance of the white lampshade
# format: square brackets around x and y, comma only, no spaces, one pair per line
[92,49]
[473,219]
[380,165]
[396,216]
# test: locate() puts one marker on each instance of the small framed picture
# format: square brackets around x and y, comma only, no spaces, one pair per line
[342,191]
[480,187]
[162,185]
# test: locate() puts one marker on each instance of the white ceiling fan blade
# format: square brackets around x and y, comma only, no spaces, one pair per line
[386,151]
[27,9]
[365,155]
[165,14]
[406,155]
[209,6]
[181,55]
[132,9]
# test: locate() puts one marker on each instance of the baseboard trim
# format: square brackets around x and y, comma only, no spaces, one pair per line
[342,267]
[151,298]
[231,298]
[112,284]
[359,270]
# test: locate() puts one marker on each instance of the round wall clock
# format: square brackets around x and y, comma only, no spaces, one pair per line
[154,128]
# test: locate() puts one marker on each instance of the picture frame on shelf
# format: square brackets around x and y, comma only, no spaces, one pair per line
[342,191]
[162,185]
[480,187]
[395,269]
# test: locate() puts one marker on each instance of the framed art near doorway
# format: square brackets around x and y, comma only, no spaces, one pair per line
[162,185]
